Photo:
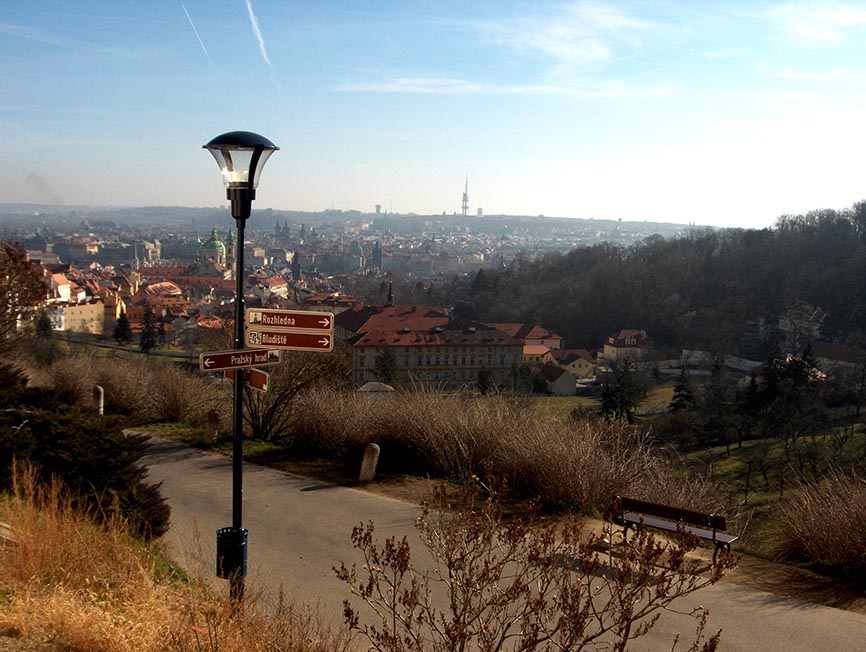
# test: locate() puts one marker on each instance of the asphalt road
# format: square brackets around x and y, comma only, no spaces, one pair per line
[300,529]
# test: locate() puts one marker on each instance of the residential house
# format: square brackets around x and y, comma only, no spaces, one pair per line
[87,317]
[558,381]
[578,362]
[839,359]
[61,288]
[537,355]
[633,345]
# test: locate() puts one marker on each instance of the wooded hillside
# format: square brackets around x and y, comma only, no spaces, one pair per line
[699,290]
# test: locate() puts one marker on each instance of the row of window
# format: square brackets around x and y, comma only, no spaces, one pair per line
[445,360]
[454,375]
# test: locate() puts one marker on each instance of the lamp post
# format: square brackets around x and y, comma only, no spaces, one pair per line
[241,156]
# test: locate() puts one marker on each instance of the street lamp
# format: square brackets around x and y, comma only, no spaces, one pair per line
[241,156]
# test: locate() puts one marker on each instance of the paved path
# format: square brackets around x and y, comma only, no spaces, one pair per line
[300,528]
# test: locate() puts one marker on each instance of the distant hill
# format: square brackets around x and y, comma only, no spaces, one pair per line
[23,215]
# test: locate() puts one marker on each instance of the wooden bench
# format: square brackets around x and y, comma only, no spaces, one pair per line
[634,513]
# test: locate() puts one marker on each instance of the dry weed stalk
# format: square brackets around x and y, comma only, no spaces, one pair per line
[497,585]
[825,523]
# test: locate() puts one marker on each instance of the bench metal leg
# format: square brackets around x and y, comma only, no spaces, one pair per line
[725,546]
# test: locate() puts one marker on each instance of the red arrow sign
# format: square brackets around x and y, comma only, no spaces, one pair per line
[253,378]
[263,319]
[238,358]
[280,339]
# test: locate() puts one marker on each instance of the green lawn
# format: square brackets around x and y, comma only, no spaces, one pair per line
[657,400]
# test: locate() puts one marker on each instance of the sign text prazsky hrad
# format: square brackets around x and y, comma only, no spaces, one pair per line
[237,359]
[294,330]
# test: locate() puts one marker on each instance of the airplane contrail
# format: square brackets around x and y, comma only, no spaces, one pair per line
[195,31]
[207,54]
[255,23]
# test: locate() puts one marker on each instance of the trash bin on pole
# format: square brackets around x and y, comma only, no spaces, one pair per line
[231,552]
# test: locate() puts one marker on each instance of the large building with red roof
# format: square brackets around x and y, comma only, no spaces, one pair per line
[431,348]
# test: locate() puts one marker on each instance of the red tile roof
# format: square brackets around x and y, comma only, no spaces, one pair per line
[621,339]
[526,331]
[416,326]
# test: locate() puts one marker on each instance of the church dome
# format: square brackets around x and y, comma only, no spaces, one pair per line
[214,243]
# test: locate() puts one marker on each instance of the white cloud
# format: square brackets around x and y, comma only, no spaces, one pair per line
[455,86]
[416,85]
[579,35]
[799,75]
[814,24]
[59,40]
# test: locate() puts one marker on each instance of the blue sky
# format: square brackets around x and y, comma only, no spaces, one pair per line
[720,113]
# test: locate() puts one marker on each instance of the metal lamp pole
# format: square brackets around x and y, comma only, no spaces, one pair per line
[241,156]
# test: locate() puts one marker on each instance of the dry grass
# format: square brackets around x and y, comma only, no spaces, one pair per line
[582,464]
[88,588]
[824,524]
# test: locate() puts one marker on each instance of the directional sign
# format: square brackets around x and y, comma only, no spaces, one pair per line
[307,320]
[253,378]
[289,340]
[220,360]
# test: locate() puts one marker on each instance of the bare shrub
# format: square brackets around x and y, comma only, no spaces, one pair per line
[126,383]
[491,585]
[329,421]
[72,378]
[825,524]
[179,396]
[581,463]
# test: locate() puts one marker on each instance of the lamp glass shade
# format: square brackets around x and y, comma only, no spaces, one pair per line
[241,156]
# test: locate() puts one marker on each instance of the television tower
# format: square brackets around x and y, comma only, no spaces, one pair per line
[466,196]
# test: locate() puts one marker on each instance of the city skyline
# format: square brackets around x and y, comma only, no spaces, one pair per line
[669,112]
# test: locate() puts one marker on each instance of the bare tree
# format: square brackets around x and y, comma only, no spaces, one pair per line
[268,414]
[21,288]
[498,585]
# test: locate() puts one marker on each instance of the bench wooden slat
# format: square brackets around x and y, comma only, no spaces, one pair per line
[716,521]
[671,526]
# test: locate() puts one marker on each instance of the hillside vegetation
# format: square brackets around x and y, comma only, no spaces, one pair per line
[695,291]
